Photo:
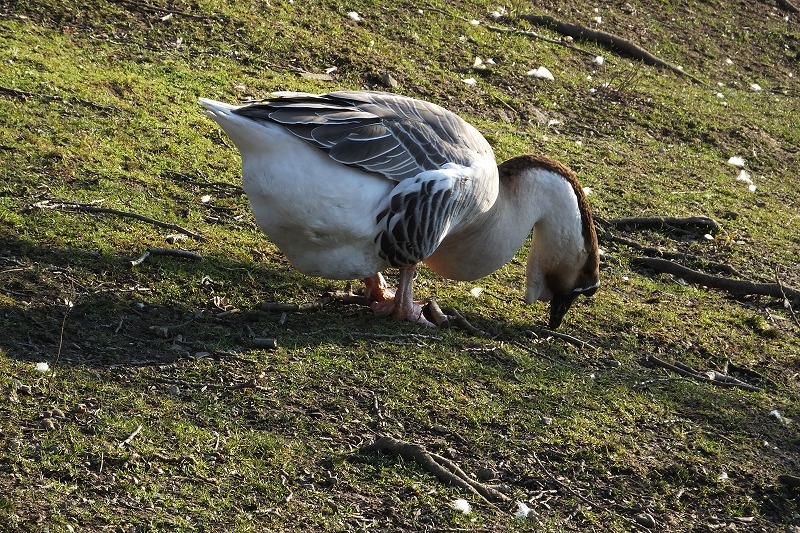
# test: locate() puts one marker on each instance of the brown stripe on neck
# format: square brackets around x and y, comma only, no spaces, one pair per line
[516,165]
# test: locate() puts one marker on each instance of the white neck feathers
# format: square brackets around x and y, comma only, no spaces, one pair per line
[535,194]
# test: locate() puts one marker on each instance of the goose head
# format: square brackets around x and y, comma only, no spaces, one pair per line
[563,261]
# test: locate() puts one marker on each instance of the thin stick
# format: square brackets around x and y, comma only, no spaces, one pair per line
[610,40]
[783,293]
[534,35]
[159,9]
[568,338]
[702,223]
[131,436]
[91,208]
[788,6]
[53,98]
[444,469]
[733,286]
[69,304]
[575,493]
[718,379]
[606,236]
[463,323]
[175,252]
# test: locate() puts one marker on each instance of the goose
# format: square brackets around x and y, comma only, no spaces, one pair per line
[347,184]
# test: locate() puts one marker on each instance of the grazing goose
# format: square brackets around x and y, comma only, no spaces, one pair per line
[348,184]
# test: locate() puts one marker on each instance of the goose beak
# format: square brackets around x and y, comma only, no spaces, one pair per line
[559,305]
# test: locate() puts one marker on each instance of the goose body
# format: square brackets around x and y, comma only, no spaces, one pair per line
[348,184]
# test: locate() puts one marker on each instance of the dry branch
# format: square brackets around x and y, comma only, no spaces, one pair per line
[783,294]
[564,337]
[704,224]
[175,252]
[93,208]
[733,286]
[712,377]
[534,35]
[131,436]
[54,98]
[786,5]
[444,469]
[159,9]
[610,40]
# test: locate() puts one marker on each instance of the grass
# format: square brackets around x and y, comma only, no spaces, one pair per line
[99,101]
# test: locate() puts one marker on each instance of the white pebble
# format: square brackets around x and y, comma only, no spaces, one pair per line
[599,60]
[476,291]
[470,81]
[42,367]
[755,87]
[354,16]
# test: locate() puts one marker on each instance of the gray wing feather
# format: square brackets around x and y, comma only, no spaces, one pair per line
[392,135]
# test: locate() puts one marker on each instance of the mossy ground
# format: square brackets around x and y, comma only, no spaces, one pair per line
[99,104]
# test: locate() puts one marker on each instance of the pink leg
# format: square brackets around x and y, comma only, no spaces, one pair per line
[402,306]
[376,290]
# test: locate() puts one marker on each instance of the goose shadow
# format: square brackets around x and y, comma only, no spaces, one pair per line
[95,309]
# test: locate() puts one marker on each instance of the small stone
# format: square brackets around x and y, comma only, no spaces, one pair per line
[387,80]
[645,520]
[486,474]
[174,390]
[58,413]
[47,424]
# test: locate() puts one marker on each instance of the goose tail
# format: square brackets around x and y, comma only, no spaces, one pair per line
[216,109]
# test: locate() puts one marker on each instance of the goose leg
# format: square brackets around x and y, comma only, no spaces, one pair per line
[402,306]
[376,290]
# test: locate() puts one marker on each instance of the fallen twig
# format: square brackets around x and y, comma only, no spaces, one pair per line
[93,208]
[276,307]
[575,493]
[704,224]
[783,293]
[534,35]
[159,9]
[175,252]
[368,335]
[69,305]
[610,40]
[712,377]
[788,6]
[564,337]
[54,98]
[131,436]
[733,286]
[606,236]
[462,322]
[444,469]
